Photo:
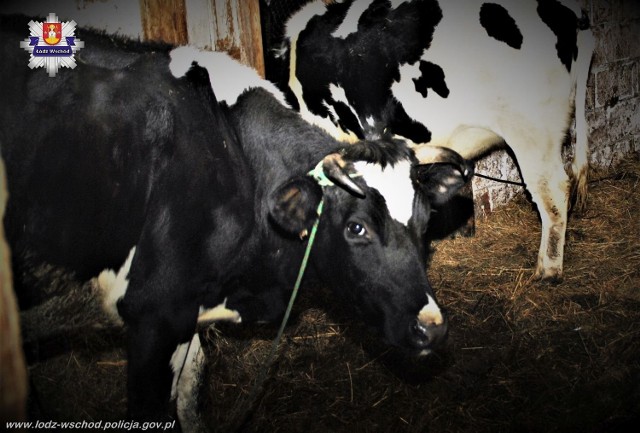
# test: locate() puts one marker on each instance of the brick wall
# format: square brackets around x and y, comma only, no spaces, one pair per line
[613,101]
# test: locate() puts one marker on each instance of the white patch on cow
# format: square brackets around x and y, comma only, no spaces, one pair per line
[500,95]
[330,109]
[112,286]
[187,363]
[228,78]
[580,166]
[370,121]
[394,184]
[430,313]
[298,21]
[338,94]
[219,313]
[350,23]
[482,95]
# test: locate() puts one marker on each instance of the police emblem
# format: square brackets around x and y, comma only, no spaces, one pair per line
[52,33]
[52,44]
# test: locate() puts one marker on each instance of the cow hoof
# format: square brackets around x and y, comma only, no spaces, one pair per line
[549,276]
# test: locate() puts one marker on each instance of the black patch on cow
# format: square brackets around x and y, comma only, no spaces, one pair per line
[564,24]
[432,78]
[383,152]
[500,25]
[366,62]
[405,126]
[347,120]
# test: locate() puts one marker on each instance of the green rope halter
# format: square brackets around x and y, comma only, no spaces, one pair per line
[318,174]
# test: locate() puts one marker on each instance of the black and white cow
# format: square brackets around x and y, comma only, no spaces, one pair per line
[470,75]
[129,162]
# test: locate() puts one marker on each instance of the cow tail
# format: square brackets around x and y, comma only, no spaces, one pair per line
[580,166]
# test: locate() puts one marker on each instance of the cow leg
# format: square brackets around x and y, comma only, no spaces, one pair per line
[548,184]
[151,342]
[187,364]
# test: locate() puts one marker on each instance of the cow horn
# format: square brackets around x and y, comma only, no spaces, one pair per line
[333,166]
[426,154]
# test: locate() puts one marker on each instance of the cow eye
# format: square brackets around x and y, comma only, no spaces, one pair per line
[356,229]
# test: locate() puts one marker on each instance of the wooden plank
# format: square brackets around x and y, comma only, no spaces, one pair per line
[222,25]
[235,28]
[199,19]
[164,20]
[251,35]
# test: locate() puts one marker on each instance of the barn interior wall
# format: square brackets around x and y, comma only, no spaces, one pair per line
[613,101]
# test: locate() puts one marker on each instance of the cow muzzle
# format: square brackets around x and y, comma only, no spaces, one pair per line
[429,329]
[427,336]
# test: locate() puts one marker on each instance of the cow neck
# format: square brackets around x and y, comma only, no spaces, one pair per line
[244,407]
[318,174]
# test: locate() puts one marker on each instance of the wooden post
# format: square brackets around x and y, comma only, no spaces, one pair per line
[13,372]
[251,35]
[236,30]
[221,25]
[164,20]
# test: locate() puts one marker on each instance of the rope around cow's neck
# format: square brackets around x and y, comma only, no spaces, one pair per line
[245,407]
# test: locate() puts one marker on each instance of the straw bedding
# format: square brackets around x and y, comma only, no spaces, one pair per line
[521,355]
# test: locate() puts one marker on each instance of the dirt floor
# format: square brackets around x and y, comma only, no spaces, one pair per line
[522,356]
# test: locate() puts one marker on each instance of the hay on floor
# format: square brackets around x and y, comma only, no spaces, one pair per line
[521,356]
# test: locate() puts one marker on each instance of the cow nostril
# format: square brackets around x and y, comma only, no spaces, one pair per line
[427,335]
[420,333]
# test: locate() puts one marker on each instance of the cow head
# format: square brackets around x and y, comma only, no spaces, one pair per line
[370,244]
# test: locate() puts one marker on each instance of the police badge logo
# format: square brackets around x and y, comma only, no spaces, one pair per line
[52,44]
[52,33]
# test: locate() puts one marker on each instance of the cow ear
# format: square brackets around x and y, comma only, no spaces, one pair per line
[441,181]
[293,205]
